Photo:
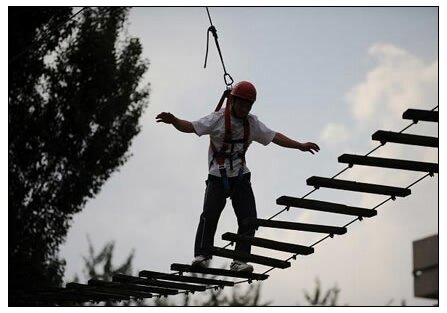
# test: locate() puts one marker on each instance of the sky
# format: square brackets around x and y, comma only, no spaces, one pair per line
[330,75]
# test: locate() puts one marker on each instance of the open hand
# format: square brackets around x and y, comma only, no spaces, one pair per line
[166,117]
[311,147]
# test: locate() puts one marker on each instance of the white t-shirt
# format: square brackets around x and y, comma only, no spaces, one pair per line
[214,125]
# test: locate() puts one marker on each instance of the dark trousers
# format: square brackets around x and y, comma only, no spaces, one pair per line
[244,206]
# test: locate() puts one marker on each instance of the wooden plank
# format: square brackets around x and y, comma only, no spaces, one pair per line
[167,284]
[216,272]
[92,291]
[183,278]
[389,163]
[74,294]
[63,298]
[172,285]
[324,206]
[408,139]
[356,186]
[296,226]
[63,295]
[421,115]
[142,284]
[127,289]
[247,257]
[269,244]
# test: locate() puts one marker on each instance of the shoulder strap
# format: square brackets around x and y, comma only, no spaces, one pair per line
[226,94]
[246,133]
[246,138]
[227,136]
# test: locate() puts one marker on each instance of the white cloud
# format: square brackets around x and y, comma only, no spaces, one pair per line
[334,134]
[400,80]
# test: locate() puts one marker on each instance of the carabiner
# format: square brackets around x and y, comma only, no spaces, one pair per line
[230,83]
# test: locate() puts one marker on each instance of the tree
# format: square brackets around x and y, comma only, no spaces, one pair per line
[100,266]
[74,107]
[330,297]
[317,299]
[238,296]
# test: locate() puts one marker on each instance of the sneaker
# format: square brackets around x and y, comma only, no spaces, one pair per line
[201,261]
[239,266]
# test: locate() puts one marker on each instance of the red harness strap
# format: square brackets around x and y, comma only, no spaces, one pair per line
[246,136]
[221,155]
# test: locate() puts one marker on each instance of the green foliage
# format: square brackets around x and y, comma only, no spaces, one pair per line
[237,296]
[103,261]
[329,298]
[74,105]
[100,266]
[402,303]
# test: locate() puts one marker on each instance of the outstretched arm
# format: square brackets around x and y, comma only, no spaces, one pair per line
[286,142]
[181,125]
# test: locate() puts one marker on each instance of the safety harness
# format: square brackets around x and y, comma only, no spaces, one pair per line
[219,156]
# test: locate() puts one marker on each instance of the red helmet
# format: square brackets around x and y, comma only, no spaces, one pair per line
[244,90]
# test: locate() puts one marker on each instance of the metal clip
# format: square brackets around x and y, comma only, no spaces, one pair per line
[230,82]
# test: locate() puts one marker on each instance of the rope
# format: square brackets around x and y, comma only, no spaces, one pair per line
[227,77]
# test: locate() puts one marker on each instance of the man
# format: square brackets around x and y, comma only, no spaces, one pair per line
[231,131]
